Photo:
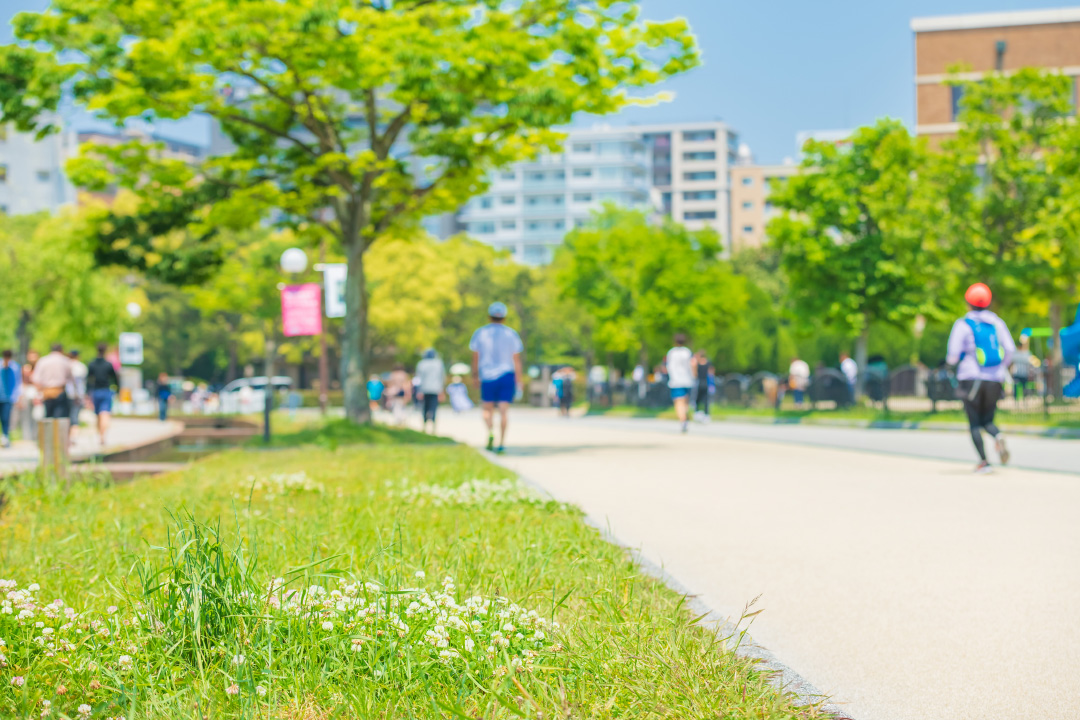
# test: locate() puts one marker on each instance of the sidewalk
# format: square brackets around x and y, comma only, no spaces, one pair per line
[904,587]
[123,434]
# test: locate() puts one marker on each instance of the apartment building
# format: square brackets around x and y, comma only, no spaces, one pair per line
[983,43]
[750,206]
[32,175]
[680,170]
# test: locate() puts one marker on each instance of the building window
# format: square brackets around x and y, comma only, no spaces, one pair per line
[583,172]
[747,205]
[748,181]
[582,197]
[483,228]
[700,215]
[665,201]
[661,178]
[43,175]
[748,229]
[768,206]
[558,224]
[957,97]
[559,174]
[699,195]
[700,175]
[508,200]
[580,222]
[702,155]
[485,203]
[536,176]
[583,147]
[699,135]
[509,224]
[537,254]
[508,175]
[534,225]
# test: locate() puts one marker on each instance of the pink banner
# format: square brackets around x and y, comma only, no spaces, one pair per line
[301,309]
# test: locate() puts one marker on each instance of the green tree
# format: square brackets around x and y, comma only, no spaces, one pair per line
[641,283]
[850,242]
[361,117]
[52,293]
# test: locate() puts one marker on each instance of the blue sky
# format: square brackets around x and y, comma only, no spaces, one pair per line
[773,68]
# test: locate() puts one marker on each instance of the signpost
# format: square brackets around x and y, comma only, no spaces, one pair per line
[131,348]
[334,276]
[301,310]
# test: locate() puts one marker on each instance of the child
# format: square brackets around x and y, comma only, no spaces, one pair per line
[459,395]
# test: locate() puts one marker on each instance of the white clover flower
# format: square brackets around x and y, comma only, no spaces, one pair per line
[124,661]
[33,587]
[233,689]
[260,691]
[18,681]
[238,660]
[112,609]
[419,574]
[85,710]
[328,626]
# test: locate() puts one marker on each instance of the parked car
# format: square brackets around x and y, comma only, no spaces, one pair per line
[247,395]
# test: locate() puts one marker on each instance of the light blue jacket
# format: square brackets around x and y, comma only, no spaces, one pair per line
[10,389]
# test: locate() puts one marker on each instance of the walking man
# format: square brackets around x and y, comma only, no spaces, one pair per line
[101,378]
[851,371]
[76,390]
[51,375]
[496,368]
[981,348]
[10,387]
[704,369]
[432,375]
[681,368]
[798,378]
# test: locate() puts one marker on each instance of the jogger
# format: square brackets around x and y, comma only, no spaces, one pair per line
[497,369]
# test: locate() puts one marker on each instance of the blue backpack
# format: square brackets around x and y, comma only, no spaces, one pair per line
[988,350]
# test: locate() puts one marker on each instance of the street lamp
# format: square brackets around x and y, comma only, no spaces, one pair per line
[293,261]
[134,309]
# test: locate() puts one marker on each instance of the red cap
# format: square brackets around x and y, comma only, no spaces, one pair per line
[978,295]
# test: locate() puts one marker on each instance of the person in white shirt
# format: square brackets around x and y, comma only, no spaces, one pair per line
[681,370]
[850,368]
[432,375]
[798,378]
[497,370]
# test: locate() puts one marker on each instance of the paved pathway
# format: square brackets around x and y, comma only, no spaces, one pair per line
[905,587]
[124,433]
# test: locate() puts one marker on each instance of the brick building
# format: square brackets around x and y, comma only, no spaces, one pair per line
[983,43]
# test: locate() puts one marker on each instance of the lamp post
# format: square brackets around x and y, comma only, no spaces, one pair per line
[293,262]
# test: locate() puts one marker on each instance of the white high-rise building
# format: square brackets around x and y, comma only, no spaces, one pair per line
[679,170]
[32,175]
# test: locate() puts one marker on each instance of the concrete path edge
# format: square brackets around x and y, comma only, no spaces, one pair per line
[781,676]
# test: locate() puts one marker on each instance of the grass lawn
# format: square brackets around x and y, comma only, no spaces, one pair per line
[379,579]
[871,414]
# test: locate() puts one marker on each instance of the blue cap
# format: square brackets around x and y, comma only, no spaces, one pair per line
[497,310]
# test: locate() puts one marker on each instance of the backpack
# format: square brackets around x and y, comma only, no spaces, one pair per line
[988,350]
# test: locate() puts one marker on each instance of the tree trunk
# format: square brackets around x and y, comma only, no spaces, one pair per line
[862,351]
[1053,371]
[354,359]
[22,333]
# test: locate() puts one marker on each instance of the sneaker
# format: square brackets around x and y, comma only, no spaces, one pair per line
[5,442]
[685,426]
[491,443]
[500,450]
[983,468]
[1002,449]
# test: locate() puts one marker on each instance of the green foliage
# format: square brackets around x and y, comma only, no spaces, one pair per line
[320,97]
[850,242]
[641,283]
[1000,194]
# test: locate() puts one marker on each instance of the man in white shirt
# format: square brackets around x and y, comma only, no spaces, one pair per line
[497,370]
[798,378]
[681,368]
[850,368]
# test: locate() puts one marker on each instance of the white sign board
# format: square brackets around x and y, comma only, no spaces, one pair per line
[334,275]
[131,350]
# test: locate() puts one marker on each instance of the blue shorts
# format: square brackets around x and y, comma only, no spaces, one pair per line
[102,401]
[500,390]
[677,393]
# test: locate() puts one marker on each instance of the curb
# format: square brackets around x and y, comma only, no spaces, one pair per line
[781,676]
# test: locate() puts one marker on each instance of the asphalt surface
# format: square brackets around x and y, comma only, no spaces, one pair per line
[891,577]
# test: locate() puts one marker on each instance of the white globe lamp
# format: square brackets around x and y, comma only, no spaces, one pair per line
[294,260]
[134,309]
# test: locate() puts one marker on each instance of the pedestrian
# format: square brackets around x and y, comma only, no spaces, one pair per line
[563,384]
[29,403]
[638,376]
[680,365]
[850,369]
[375,389]
[164,392]
[101,378]
[981,348]
[798,378]
[459,395]
[496,366]
[10,390]
[398,387]
[704,369]
[51,375]
[1021,368]
[432,375]
[76,389]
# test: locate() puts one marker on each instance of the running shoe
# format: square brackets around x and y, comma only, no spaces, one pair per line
[983,468]
[500,450]
[491,443]
[684,426]
[1002,449]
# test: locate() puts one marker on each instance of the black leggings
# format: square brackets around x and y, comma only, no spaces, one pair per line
[701,403]
[980,403]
